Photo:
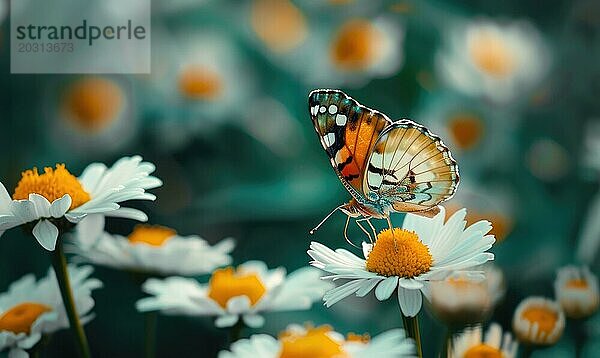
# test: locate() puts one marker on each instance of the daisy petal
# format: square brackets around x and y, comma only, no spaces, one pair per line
[410,284]
[42,205]
[17,353]
[410,301]
[385,289]
[254,320]
[60,206]
[46,234]
[226,321]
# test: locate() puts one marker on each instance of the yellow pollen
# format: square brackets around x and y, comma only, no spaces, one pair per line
[400,254]
[466,130]
[19,318]
[92,103]
[52,185]
[490,54]
[577,284]
[200,83]
[279,24]
[544,317]
[355,45]
[315,343]
[483,351]
[153,235]
[226,283]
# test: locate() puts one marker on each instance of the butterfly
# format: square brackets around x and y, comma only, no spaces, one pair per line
[386,166]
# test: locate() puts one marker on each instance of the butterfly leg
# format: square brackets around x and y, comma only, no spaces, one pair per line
[363,229]
[372,228]
[389,221]
[346,233]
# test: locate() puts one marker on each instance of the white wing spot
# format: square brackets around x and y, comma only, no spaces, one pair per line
[333,109]
[341,119]
[314,110]
[322,109]
[329,139]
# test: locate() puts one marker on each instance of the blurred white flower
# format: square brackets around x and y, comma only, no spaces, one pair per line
[461,300]
[32,309]
[500,61]
[57,199]
[424,250]
[470,343]
[279,25]
[322,342]
[576,290]
[538,321]
[235,293]
[154,250]
[92,114]
[589,238]
[548,160]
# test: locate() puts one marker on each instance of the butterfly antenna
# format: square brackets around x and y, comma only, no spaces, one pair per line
[325,219]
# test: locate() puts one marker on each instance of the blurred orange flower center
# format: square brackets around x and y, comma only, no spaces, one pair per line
[314,343]
[153,235]
[544,317]
[52,185]
[360,338]
[355,45]
[19,318]
[200,83]
[466,130]
[483,351]
[93,103]
[490,54]
[227,283]
[279,24]
[399,254]
[577,284]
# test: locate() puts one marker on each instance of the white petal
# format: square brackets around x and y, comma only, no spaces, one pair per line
[385,289]
[46,234]
[60,206]
[410,301]
[5,200]
[410,284]
[254,320]
[42,205]
[238,304]
[226,320]
[17,353]
[128,213]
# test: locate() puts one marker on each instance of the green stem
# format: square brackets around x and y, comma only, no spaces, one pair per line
[447,342]
[527,351]
[235,332]
[411,325]
[59,263]
[150,324]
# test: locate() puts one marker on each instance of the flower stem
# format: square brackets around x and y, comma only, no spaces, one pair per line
[235,332]
[59,263]
[527,351]
[150,323]
[447,342]
[411,325]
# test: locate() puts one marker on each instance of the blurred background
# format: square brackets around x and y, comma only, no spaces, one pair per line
[512,88]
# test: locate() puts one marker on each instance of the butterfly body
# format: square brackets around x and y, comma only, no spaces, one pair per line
[387,166]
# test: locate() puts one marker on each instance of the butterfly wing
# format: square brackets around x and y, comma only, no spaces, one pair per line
[348,132]
[411,167]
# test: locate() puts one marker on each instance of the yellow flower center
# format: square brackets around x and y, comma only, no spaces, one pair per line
[19,318]
[92,103]
[466,130]
[52,185]
[400,253]
[577,284]
[543,316]
[490,54]
[483,351]
[315,343]
[227,283]
[153,235]
[360,338]
[279,24]
[200,83]
[355,44]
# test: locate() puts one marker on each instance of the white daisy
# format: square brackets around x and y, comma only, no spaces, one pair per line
[233,293]
[92,114]
[461,300]
[471,344]
[538,321]
[55,200]
[423,250]
[576,290]
[155,250]
[322,342]
[497,60]
[31,309]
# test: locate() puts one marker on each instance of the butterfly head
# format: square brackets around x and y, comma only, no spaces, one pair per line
[351,209]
